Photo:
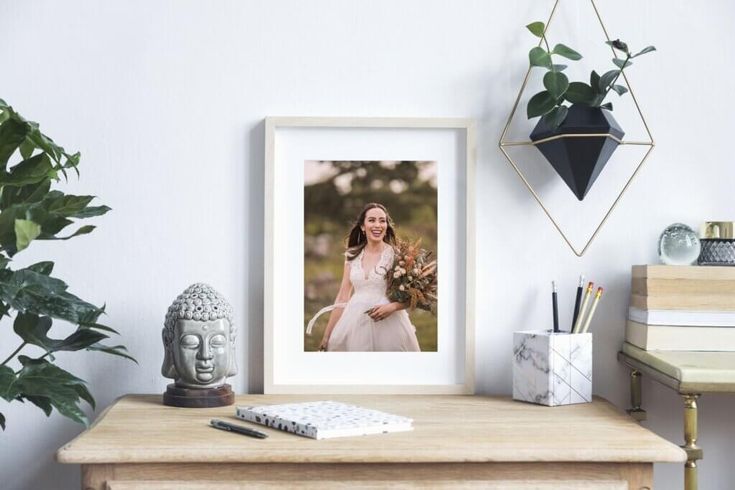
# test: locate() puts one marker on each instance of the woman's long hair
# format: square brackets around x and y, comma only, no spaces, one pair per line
[357,240]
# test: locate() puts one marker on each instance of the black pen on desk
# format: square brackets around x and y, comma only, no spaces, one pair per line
[239,429]
[555,306]
[577,301]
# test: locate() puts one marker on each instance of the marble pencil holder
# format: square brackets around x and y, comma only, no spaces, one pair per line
[552,368]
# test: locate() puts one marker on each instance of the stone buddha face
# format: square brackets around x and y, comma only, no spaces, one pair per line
[199,339]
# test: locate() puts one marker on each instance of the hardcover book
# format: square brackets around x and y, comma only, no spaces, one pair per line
[325,419]
[680,338]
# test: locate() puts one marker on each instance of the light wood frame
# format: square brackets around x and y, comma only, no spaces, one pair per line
[272,125]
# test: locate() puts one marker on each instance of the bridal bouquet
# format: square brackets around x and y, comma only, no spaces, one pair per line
[412,279]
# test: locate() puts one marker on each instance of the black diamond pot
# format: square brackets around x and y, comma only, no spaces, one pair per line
[579,161]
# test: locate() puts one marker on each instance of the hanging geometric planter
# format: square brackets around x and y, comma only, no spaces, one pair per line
[580,147]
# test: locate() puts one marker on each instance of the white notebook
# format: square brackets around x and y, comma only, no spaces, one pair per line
[325,419]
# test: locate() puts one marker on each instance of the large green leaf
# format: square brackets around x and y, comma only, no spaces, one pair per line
[536,28]
[556,83]
[8,388]
[25,194]
[91,211]
[566,52]
[12,134]
[32,171]
[579,93]
[115,350]
[540,104]
[41,402]
[46,267]
[25,232]
[66,204]
[40,378]
[539,57]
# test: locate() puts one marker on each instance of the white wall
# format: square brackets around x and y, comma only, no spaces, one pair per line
[166,102]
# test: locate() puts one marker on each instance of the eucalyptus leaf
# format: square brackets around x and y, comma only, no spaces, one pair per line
[25,232]
[645,50]
[540,104]
[559,67]
[557,116]
[579,93]
[556,83]
[619,89]
[618,44]
[536,28]
[595,82]
[607,79]
[539,57]
[621,63]
[566,52]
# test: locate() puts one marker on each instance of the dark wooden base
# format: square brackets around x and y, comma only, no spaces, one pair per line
[176,396]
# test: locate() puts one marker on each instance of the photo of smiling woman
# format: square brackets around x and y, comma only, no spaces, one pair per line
[354,243]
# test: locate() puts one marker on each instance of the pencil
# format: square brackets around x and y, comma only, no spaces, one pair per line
[577,301]
[592,310]
[583,308]
[555,307]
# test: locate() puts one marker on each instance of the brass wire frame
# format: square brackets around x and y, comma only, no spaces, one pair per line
[503,144]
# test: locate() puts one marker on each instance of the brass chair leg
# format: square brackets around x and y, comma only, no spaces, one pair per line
[693,451]
[636,398]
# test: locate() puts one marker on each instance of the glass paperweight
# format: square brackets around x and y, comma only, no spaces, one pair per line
[678,245]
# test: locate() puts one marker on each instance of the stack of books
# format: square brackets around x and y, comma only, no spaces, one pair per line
[682,308]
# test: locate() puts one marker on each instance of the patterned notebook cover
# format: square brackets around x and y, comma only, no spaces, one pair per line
[324,419]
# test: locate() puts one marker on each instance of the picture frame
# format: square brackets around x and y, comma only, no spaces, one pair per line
[291,141]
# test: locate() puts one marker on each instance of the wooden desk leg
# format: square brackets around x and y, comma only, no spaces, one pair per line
[636,398]
[693,451]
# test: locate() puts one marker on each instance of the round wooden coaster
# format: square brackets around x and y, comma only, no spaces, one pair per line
[177,396]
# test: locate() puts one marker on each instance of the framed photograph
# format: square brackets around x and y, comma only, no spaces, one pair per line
[369,249]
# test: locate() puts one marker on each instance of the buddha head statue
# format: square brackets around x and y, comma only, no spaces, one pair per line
[199,339]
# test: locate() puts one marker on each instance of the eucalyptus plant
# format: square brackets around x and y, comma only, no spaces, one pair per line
[30,210]
[550,103]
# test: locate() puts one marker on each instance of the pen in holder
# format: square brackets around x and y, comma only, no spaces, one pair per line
[552,368]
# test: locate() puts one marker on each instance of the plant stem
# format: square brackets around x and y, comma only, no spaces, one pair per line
[13,354]
[616,78]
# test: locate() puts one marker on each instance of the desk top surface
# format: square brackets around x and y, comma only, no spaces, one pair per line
[690,371]
[139,429]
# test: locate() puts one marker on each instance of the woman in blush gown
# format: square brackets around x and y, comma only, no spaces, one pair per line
[362,318]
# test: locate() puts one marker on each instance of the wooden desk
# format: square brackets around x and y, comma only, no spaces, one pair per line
[691,374]
[457,441]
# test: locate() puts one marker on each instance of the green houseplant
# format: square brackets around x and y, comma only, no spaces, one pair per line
[577,132]
[30,210]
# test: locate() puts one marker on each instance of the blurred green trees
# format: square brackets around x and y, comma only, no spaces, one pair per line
[334,194]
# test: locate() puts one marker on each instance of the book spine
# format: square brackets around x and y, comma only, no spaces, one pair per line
[666,287]
[680,338]
[711,302]
[697,272]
